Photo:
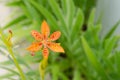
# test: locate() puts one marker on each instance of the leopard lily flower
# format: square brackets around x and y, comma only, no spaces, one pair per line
[43,41]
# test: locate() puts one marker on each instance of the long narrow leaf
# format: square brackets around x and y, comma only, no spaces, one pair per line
[35,15]
[15,21]
[64,6]
[117,61]
[63,76]
[93,60]
[112,30]
[14,3]
[70,12]
[76,75]
[48,16]
[10,70]
[110,46]
[56,9]
[6,76]
[91,17]
[45,13]
[26,12]
[78,22]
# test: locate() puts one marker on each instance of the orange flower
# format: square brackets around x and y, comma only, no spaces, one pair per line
[42,40]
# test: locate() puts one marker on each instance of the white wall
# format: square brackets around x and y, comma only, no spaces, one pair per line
[110,10]
[4,14]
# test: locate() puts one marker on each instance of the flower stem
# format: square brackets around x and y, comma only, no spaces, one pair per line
[16,63]
[42,67]
[7,44]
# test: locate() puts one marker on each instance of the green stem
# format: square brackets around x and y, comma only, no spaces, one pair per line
[13,57]
[16,63]
[42,67]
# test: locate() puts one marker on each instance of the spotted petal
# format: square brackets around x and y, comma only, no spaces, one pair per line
[55,47]
[55,35]
[45,53]
[36,35]
[35,47]
[45,29]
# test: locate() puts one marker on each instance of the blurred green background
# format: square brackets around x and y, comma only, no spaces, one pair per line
[87,56]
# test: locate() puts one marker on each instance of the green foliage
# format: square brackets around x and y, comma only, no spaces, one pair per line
[87,56]
[112,30]
[86,6]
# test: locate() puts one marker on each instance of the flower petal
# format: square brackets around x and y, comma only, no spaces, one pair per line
[36,35]
[55,35]
[45,29]
[55,47]
[35,47]
[45,53]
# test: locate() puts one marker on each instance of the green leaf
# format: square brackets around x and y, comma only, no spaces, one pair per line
[77,24]
[76,75]
[43,2]
[21,61]
[10,70]
[55,71]
[26,12]
[57,11]
[8,62]
[108,63]
[110,44]
[70,12]
[48,16]
[100,17]
[33,12]
[93,59]
[117,61]
[64,6]
[91,17]
[63,76]
[14,3]
[7,76]
[95,33]
[15,21]
[112,30]
[45,13]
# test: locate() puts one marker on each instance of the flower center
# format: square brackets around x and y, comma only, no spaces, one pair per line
[44,42]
